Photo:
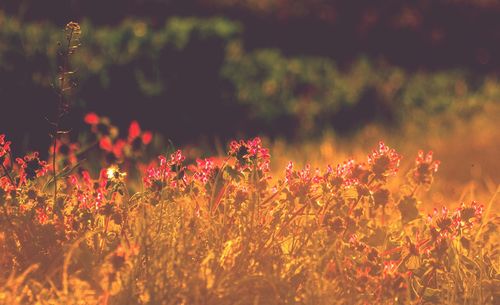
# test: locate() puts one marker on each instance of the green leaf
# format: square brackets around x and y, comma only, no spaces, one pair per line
[408,209]
[63,174]
[428,294]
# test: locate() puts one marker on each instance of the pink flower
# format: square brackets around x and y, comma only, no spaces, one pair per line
[31,167]
[342,174]
[91,118]
[169,172]
[136,136]
[205,170]
[466,216]
[384,162]
[249,154]
[4,150]
[424,170]
[303,182]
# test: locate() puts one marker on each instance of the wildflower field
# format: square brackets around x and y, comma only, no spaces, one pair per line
[118,216]
[228,230]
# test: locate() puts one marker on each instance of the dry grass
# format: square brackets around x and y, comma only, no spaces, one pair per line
[229,230]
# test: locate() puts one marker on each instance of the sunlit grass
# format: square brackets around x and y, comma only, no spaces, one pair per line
[251,227]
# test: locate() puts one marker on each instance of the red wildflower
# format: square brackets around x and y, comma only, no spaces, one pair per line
[424,169]
[205,170]
[103,178]
[177,157]
[6,181]
[446,225]
[6,184]
[73,180]
[86,177]
[169,172]
[31,167]
[384,162]
[4,146]
[107,135]
[249,154]
[146,137]
[300,183]
[356,244]
[134,130]
[136,140]
[468,215]
[114,149]
[135,134]
[342,174]
[91,118]
[90,194]
[390,267]
[442,222]
[4,150]
[101,126]
[118,148]
[106,144]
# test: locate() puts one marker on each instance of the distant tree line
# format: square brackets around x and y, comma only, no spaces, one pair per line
[193,77]
[412,34]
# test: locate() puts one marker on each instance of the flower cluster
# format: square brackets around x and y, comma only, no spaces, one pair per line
[250,154]
[106,134]
[205,170]
[344,224]
[137,138]
[4,150]
[6,181]
[342,175]
[170,172]
[101,126]
[447,224]
[31,167]
[90,194]
[301,183]
[384,161]
[424,170]
[116,148]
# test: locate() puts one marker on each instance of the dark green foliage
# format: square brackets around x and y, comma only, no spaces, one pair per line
[198,70]
[408,208]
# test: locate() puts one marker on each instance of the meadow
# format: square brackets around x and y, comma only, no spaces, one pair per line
[122,216]
[229,230]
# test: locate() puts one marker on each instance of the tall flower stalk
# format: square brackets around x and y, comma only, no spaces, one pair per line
[65,85]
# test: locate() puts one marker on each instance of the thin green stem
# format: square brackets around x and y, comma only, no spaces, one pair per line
[60,108]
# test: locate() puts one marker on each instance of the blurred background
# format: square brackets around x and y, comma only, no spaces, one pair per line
[204,71]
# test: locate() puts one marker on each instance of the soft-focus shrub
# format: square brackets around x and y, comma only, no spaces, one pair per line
[202,64]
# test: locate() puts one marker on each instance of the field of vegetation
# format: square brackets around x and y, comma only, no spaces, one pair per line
[395,202]
[229,230]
